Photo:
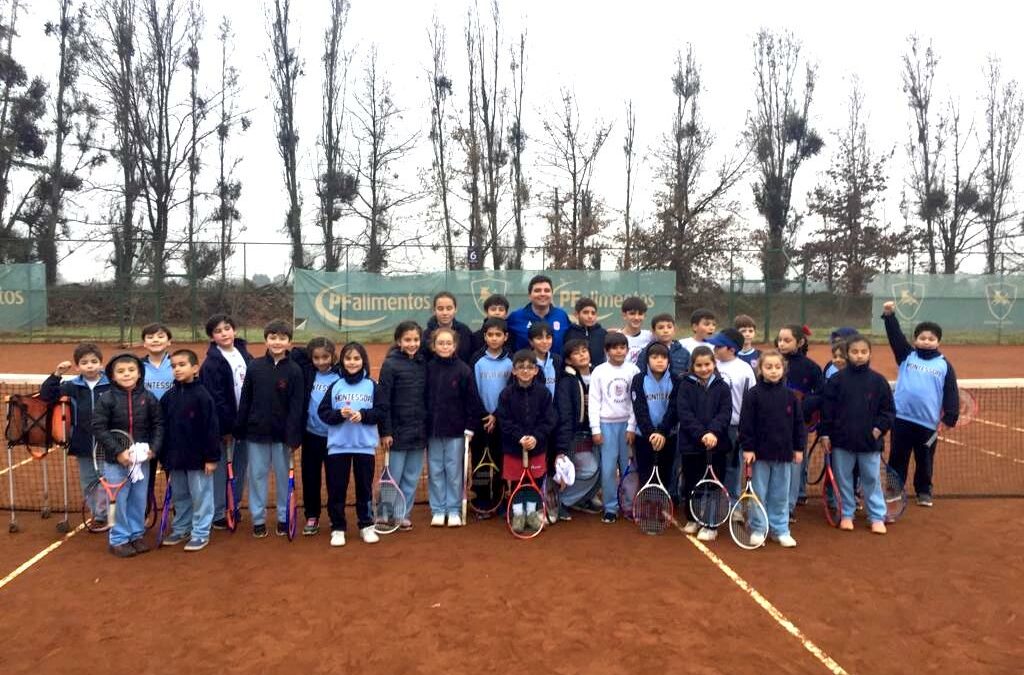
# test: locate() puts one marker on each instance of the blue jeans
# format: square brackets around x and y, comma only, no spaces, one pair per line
[130,511]
[193,503]
[444,469]
[733,479]
[587,478]
[770,481]
[614,454]
[798,482]
[220,478]
[406,467]
[869,465]
[261,455]
[87,475]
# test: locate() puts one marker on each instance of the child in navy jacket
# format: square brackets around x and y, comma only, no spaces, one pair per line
[807,381]
[858,410]
[654,406]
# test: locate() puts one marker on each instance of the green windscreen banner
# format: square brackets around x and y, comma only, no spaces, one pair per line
[371,304]
[976,302]
[22,297]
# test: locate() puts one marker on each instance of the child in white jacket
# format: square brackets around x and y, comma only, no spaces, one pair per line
[612,423]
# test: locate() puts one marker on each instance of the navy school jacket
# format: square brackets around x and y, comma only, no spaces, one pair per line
[571,409]
[83,401]
[215,374]
[771,423]
[453,405]
[400,398]
[464,349]
[593,336]
[805,377]
[702,409]
[525,411]
[271,409]
[857,400]
[191,430]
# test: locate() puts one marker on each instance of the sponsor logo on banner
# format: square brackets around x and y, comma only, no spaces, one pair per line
[908,296]
[1000,298]
[333,302]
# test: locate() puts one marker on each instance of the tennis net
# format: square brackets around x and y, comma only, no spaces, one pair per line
[983,457]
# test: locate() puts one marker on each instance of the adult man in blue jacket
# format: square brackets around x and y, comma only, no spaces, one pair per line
[538,309]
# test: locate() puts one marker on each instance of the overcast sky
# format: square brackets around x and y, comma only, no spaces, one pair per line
[608,53]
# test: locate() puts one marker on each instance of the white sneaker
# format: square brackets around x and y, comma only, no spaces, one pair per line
[707,534]
[786,541]
[368,535]
[454,521]
[437,520]
[338,538]
[691,527]
[757,539]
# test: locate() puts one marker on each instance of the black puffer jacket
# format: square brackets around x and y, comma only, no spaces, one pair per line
[136,411]
[192,435]
[453,405]
[525,411]
[400,398]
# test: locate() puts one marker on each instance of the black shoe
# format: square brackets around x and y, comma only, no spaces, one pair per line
[563,513]
[221,523]
[801,501]
[609,517]
[259,531]
[282,529]
[140,546]
[124,550]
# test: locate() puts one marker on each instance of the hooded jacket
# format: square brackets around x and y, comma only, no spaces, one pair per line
[135,411]
[857,400]
[571,397]
[400,398]
[593,336]
[191,431]
[651,396]
[83,402]
[215,374]
[678,359]
[701,409]
[464,348]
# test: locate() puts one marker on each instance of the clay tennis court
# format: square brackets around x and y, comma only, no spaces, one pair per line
[938,594]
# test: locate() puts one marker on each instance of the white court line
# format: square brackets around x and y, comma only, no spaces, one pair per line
[991,453]
[768,607]
[39,556]
[9,468]
[997,424]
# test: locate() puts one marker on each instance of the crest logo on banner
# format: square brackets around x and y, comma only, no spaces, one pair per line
[485,288]
[1000,298]
[908,295]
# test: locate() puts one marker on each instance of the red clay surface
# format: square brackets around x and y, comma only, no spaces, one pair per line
[938,594]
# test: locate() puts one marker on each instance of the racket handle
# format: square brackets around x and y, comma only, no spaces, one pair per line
[526,460]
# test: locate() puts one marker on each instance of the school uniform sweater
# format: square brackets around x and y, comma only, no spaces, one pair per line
[703,408]
[678,359]
[358,392]
[654,406]
[464,347]
[191,431]
[525,411]
[271,409]
[593,336]
[609,399]
[83,402]
[571,408]
[926,388]
[215,374]
[636,344]
[750,356]
[159,378]
[492,373]
[771,423]
[550,370]
[856,400]
[453,405]
[400,400]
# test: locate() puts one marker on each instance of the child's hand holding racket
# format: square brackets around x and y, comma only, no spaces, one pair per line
[657,441]
[209,468]
[798,457]
[826,443]
[630,438]
[748,458]
[709,440]
[489,422]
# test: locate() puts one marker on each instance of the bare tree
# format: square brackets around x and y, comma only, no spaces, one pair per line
[494,156]
[852,245]
[570,154]
[629,152]
[229,188]
[440,91]
[469,136]
[927,140]
[334,186]
[781,137]
[517,138]
[285,69]
[957,220]
[380,196]
[694,212]
[1003,123]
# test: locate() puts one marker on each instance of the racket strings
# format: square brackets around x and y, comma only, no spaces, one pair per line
[389,507]
[486,488]
[652,510]
[526,511]
[710,504]
[749,527]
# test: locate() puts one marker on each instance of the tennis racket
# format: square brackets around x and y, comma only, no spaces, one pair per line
[709,500]
[100,498]
[893,491]
[150,519]
[230,497]
[165,515]
[815,464]
[487,489]
[526,514]
[652,507]
[830,496]
[292,521]
[388,501]
[629,484]
[968,411]
[465,480]
[552,498]
[748,522]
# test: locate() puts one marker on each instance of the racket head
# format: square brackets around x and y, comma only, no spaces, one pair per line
[968,407]
[652,509]
[710,503]
[388,505]
[748,521]
[831,498]
[815,464]
[486,488]
[893,492]
[293,506]
[229,501]
[525,500]
[629,485]
[465,481]
[552,498]
[151,514]
[95,502]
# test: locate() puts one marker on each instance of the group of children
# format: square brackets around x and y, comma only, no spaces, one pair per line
[610,393]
